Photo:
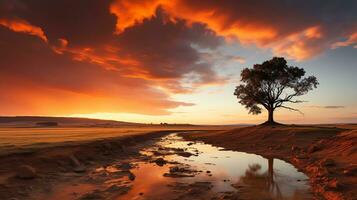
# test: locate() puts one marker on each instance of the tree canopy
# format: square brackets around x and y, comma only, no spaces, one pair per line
[271,85]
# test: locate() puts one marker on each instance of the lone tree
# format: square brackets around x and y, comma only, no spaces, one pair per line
[272,84]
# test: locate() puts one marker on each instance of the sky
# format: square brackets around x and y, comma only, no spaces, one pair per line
[173,61]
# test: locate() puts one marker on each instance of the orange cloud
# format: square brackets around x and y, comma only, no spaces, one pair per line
[131,12]
[287,34]
[313,32]
[23,26]
[39,81]
[245,30]
[300,46]
[351,40]
[248,31]
[220,22]
[157,50]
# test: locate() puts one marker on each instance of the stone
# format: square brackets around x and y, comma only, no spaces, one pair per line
[26,172]
[327,162]
[113,188]
[74,161]
[312,149]
[77,166]
[131,176]
[79,169]
[294,148]
[125,166]
[160,162]
[174,169]
[302,156]
[334,184]
[350,171]
[95,195]
[185,154]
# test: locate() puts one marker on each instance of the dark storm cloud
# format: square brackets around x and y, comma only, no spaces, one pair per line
[297,29]
[81,22]
[164,48]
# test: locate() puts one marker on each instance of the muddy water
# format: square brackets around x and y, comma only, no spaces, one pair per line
[172,168]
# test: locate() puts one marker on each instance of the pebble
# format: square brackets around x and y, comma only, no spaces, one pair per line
[327,162]
[160,162]
[26,172]
[131,176]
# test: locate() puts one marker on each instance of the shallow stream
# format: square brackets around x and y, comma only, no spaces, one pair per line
[172,168]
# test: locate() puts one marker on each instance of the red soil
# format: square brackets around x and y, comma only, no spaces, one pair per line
[328,155]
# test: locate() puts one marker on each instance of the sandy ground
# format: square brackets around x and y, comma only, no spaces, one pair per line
[327,154]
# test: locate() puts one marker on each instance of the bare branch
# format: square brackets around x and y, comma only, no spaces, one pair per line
[297,101]
[292,109]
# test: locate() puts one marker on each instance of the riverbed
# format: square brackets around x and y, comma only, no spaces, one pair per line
[170,167]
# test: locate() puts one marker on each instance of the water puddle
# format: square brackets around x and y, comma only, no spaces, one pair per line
[172,168]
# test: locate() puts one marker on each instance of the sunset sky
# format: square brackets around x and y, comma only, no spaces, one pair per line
[175,61]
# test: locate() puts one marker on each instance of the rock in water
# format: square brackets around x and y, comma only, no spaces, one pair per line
[131,176]
[125,166]
[26,172]
[160,162]
[95,195]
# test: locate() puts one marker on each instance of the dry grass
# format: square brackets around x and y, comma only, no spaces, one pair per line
[22,138]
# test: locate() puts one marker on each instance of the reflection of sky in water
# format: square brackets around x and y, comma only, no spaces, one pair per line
[247,173]
[149,181]
[233,165]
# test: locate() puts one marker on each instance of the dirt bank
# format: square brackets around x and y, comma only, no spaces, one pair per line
[328,155]
[38,170]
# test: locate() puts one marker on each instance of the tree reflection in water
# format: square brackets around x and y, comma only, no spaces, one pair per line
[255,184]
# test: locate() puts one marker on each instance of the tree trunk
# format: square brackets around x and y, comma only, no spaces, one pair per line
[271,116]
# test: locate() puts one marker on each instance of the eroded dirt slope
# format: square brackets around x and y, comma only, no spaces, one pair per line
[327,154]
